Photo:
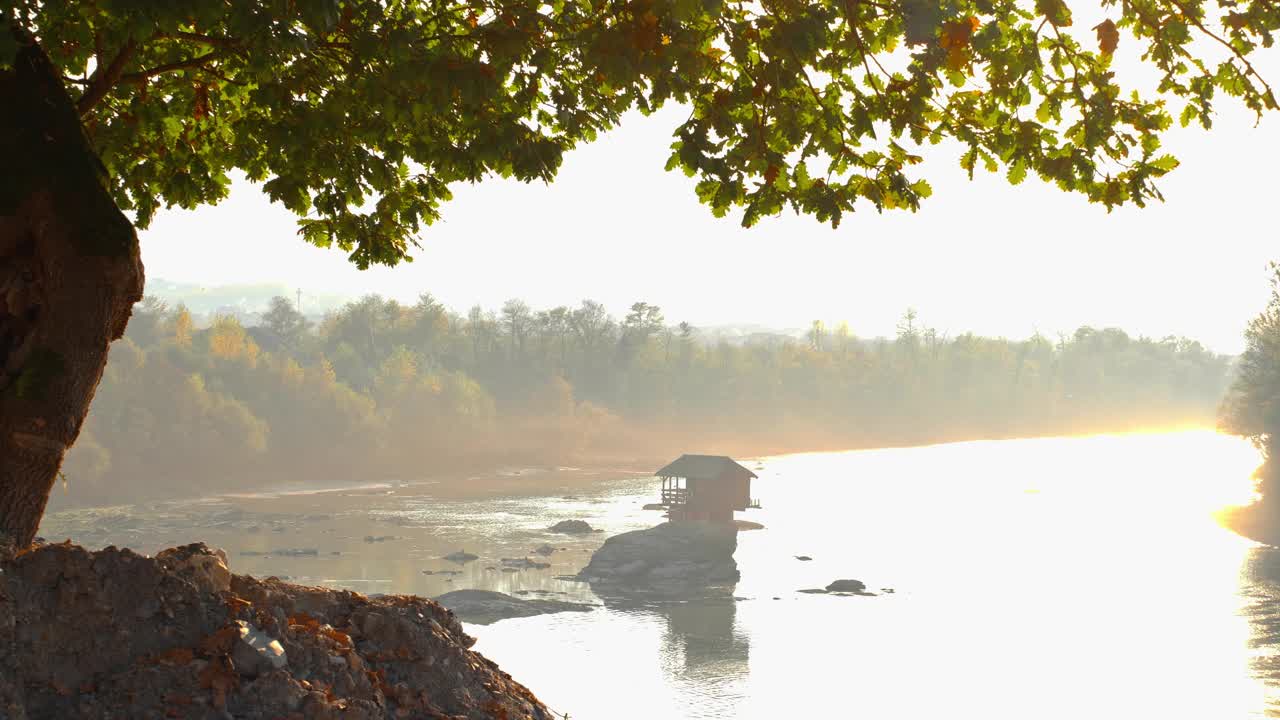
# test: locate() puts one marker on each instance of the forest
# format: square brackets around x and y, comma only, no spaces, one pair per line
[381,390]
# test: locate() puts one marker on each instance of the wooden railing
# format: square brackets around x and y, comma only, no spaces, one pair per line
[675,496]
[754,504]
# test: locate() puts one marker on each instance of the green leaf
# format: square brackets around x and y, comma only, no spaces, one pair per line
[1017,172]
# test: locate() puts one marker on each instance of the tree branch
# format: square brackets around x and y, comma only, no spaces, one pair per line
[1268,97]
[104,78]
[195,62]
[215,41]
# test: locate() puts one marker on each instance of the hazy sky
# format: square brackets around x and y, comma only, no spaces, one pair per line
[980,256]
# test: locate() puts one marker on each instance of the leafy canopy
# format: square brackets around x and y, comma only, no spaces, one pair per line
[1252,405]
[358,115]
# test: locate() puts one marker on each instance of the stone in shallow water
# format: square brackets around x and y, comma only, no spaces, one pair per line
[572,527]
[483,607]
[853,586]
[524,564]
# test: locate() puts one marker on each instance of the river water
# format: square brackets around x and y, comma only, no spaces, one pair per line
[1050,578]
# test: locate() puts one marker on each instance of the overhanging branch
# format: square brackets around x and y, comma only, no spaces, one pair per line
[104,78]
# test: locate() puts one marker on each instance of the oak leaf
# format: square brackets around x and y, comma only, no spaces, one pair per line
[1055,11]
[955,39]
[1108,36]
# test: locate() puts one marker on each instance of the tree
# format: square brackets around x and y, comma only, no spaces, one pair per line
[359,115]
[1252,404]
[283,319]
[516,319]
[147,323]
[817,335]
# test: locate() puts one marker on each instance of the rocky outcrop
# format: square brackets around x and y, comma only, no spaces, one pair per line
[113,634]
[483,607]
[670,560]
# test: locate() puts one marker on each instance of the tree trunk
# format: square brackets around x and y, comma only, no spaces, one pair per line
[70,274]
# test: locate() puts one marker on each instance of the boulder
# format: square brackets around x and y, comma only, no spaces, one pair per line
[670,560]
[545,550]
[849,586]
[461,556]
[204,566]
[483,607]
[256,652]
[572,527]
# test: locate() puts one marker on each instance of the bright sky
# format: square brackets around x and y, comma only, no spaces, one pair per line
[980,256]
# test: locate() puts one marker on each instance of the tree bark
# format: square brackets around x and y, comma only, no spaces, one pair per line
[70,273]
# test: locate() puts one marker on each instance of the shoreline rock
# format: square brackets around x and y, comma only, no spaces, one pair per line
[484,607]
[114,634]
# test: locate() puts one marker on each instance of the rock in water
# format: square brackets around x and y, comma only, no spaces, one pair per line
[113,634]
[483,607]
[670,560]
[461,557]
[572,527]
[849,586]
[524,564]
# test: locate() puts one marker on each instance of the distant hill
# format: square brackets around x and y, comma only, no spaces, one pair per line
[245,301]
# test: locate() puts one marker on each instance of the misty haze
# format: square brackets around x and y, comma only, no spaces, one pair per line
[639,359]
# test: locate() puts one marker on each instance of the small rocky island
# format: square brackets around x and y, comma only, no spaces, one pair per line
[690,555]
[674,559]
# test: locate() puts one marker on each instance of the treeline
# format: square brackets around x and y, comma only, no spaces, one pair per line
[382,390]
[1251,409]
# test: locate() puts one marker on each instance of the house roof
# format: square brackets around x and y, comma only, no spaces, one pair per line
[701,466]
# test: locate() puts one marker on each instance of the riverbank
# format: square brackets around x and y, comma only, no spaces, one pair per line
[114,634]
[633,452]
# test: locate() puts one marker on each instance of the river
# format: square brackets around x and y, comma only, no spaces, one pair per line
[1047,578]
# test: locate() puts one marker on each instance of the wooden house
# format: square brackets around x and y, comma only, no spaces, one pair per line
[705,488]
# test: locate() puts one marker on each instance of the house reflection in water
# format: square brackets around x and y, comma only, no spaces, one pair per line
[705,647]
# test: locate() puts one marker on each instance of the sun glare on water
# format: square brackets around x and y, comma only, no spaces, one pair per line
[1046,578]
